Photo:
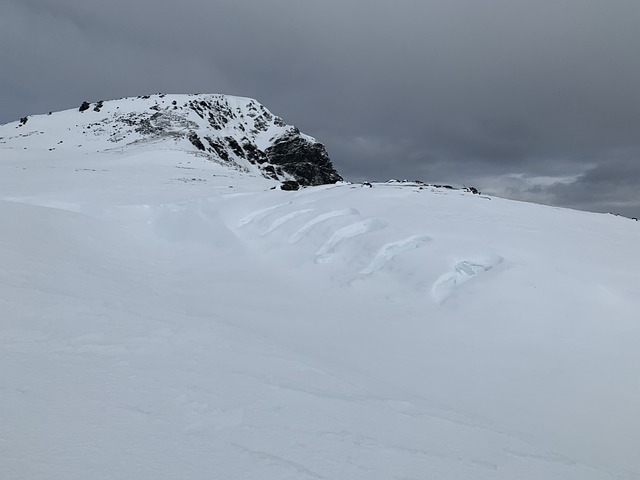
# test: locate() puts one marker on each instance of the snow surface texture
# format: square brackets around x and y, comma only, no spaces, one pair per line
[155,326]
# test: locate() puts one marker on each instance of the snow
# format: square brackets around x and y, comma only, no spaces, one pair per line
[389,251]
[462,272]
[156,326]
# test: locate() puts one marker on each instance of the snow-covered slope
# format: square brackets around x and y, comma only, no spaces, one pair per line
[165,316]
[238,133]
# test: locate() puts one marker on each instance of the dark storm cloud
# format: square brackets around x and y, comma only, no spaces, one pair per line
[612,186]
[445,90]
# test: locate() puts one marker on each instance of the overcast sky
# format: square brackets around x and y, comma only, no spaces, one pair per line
[536,100]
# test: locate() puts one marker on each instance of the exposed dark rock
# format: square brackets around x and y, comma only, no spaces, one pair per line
[23,120]
[289,185]
[147,126]
[473,190]
[218,148]
[195,140]
[84,106]
[306,161]
[260,124]
[252,153]
[235,146]
[270,172]
[98,106]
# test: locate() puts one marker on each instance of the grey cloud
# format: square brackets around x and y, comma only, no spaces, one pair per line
[445,90]
[613,186]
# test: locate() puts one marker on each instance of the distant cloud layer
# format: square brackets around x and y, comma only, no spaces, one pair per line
[493,93]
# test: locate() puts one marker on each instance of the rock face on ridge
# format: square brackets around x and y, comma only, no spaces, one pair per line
[306,161]
[234,131]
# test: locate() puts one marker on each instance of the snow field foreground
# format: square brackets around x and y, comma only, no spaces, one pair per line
[164,329]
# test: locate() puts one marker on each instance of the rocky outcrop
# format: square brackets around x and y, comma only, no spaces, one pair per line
[230,134]
[308,162]
[290,185]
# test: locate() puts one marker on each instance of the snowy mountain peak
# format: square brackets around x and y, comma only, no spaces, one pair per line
[237,132]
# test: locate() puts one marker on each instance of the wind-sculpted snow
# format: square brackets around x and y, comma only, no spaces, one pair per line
[154,328]
[393,249]
[325,252]
[253,215]
[461,273]
[307,227]
[282,220]
[191,223]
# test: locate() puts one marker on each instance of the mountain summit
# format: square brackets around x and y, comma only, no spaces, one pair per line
[233,131]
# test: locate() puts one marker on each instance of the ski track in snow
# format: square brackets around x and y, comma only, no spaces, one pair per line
[461,273]
[282,220]
[323,255]
[307,227]
[389,251]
